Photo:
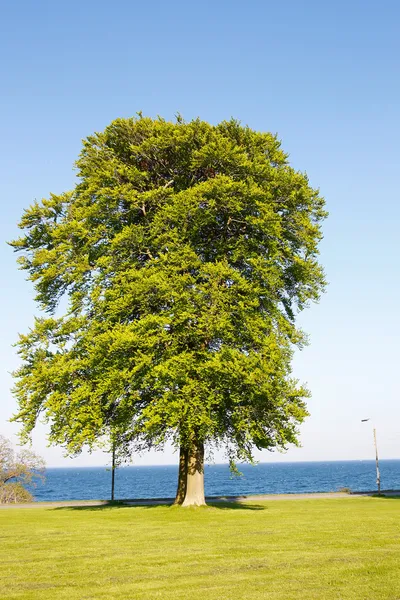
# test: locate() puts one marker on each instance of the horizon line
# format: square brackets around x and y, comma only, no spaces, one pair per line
[287,462]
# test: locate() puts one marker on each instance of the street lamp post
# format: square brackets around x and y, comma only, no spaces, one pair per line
[378,474]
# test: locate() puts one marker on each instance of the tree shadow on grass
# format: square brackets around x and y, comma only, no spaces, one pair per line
[210,505]
[387,496]
[91,507]
[236,506]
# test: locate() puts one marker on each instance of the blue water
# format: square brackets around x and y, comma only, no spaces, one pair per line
[265,478]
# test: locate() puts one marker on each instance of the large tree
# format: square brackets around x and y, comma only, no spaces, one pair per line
[185,252]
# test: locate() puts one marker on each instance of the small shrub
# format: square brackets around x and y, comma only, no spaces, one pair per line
[14,493]
[17,470]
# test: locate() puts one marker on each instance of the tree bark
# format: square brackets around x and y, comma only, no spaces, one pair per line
[182,476]
[195,475]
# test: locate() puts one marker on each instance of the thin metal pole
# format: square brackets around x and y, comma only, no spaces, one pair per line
[378,475]
[113,472]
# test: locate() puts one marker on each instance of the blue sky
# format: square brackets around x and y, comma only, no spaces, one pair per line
[324,76]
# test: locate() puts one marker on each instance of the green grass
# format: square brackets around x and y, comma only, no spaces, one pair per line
[347,548]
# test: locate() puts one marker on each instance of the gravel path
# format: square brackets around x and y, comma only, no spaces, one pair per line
[211,499]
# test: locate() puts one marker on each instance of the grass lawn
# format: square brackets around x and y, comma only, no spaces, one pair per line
[339,548]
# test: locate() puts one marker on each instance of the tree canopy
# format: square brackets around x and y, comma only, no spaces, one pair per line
[185,252]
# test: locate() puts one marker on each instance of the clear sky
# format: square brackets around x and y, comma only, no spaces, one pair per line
[324,75]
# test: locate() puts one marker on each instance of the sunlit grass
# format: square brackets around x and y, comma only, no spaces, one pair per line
[319,549]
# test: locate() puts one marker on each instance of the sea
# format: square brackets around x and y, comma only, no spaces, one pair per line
[89,483]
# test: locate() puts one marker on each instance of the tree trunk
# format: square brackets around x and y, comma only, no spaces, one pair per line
[182,476]
[195,475]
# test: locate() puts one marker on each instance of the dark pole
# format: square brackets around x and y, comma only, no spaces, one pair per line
[113,472]
[378,475]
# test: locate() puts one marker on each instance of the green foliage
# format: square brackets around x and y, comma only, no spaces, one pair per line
[185,252]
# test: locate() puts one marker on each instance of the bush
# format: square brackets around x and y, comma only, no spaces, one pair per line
[17,470]
[14,492]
